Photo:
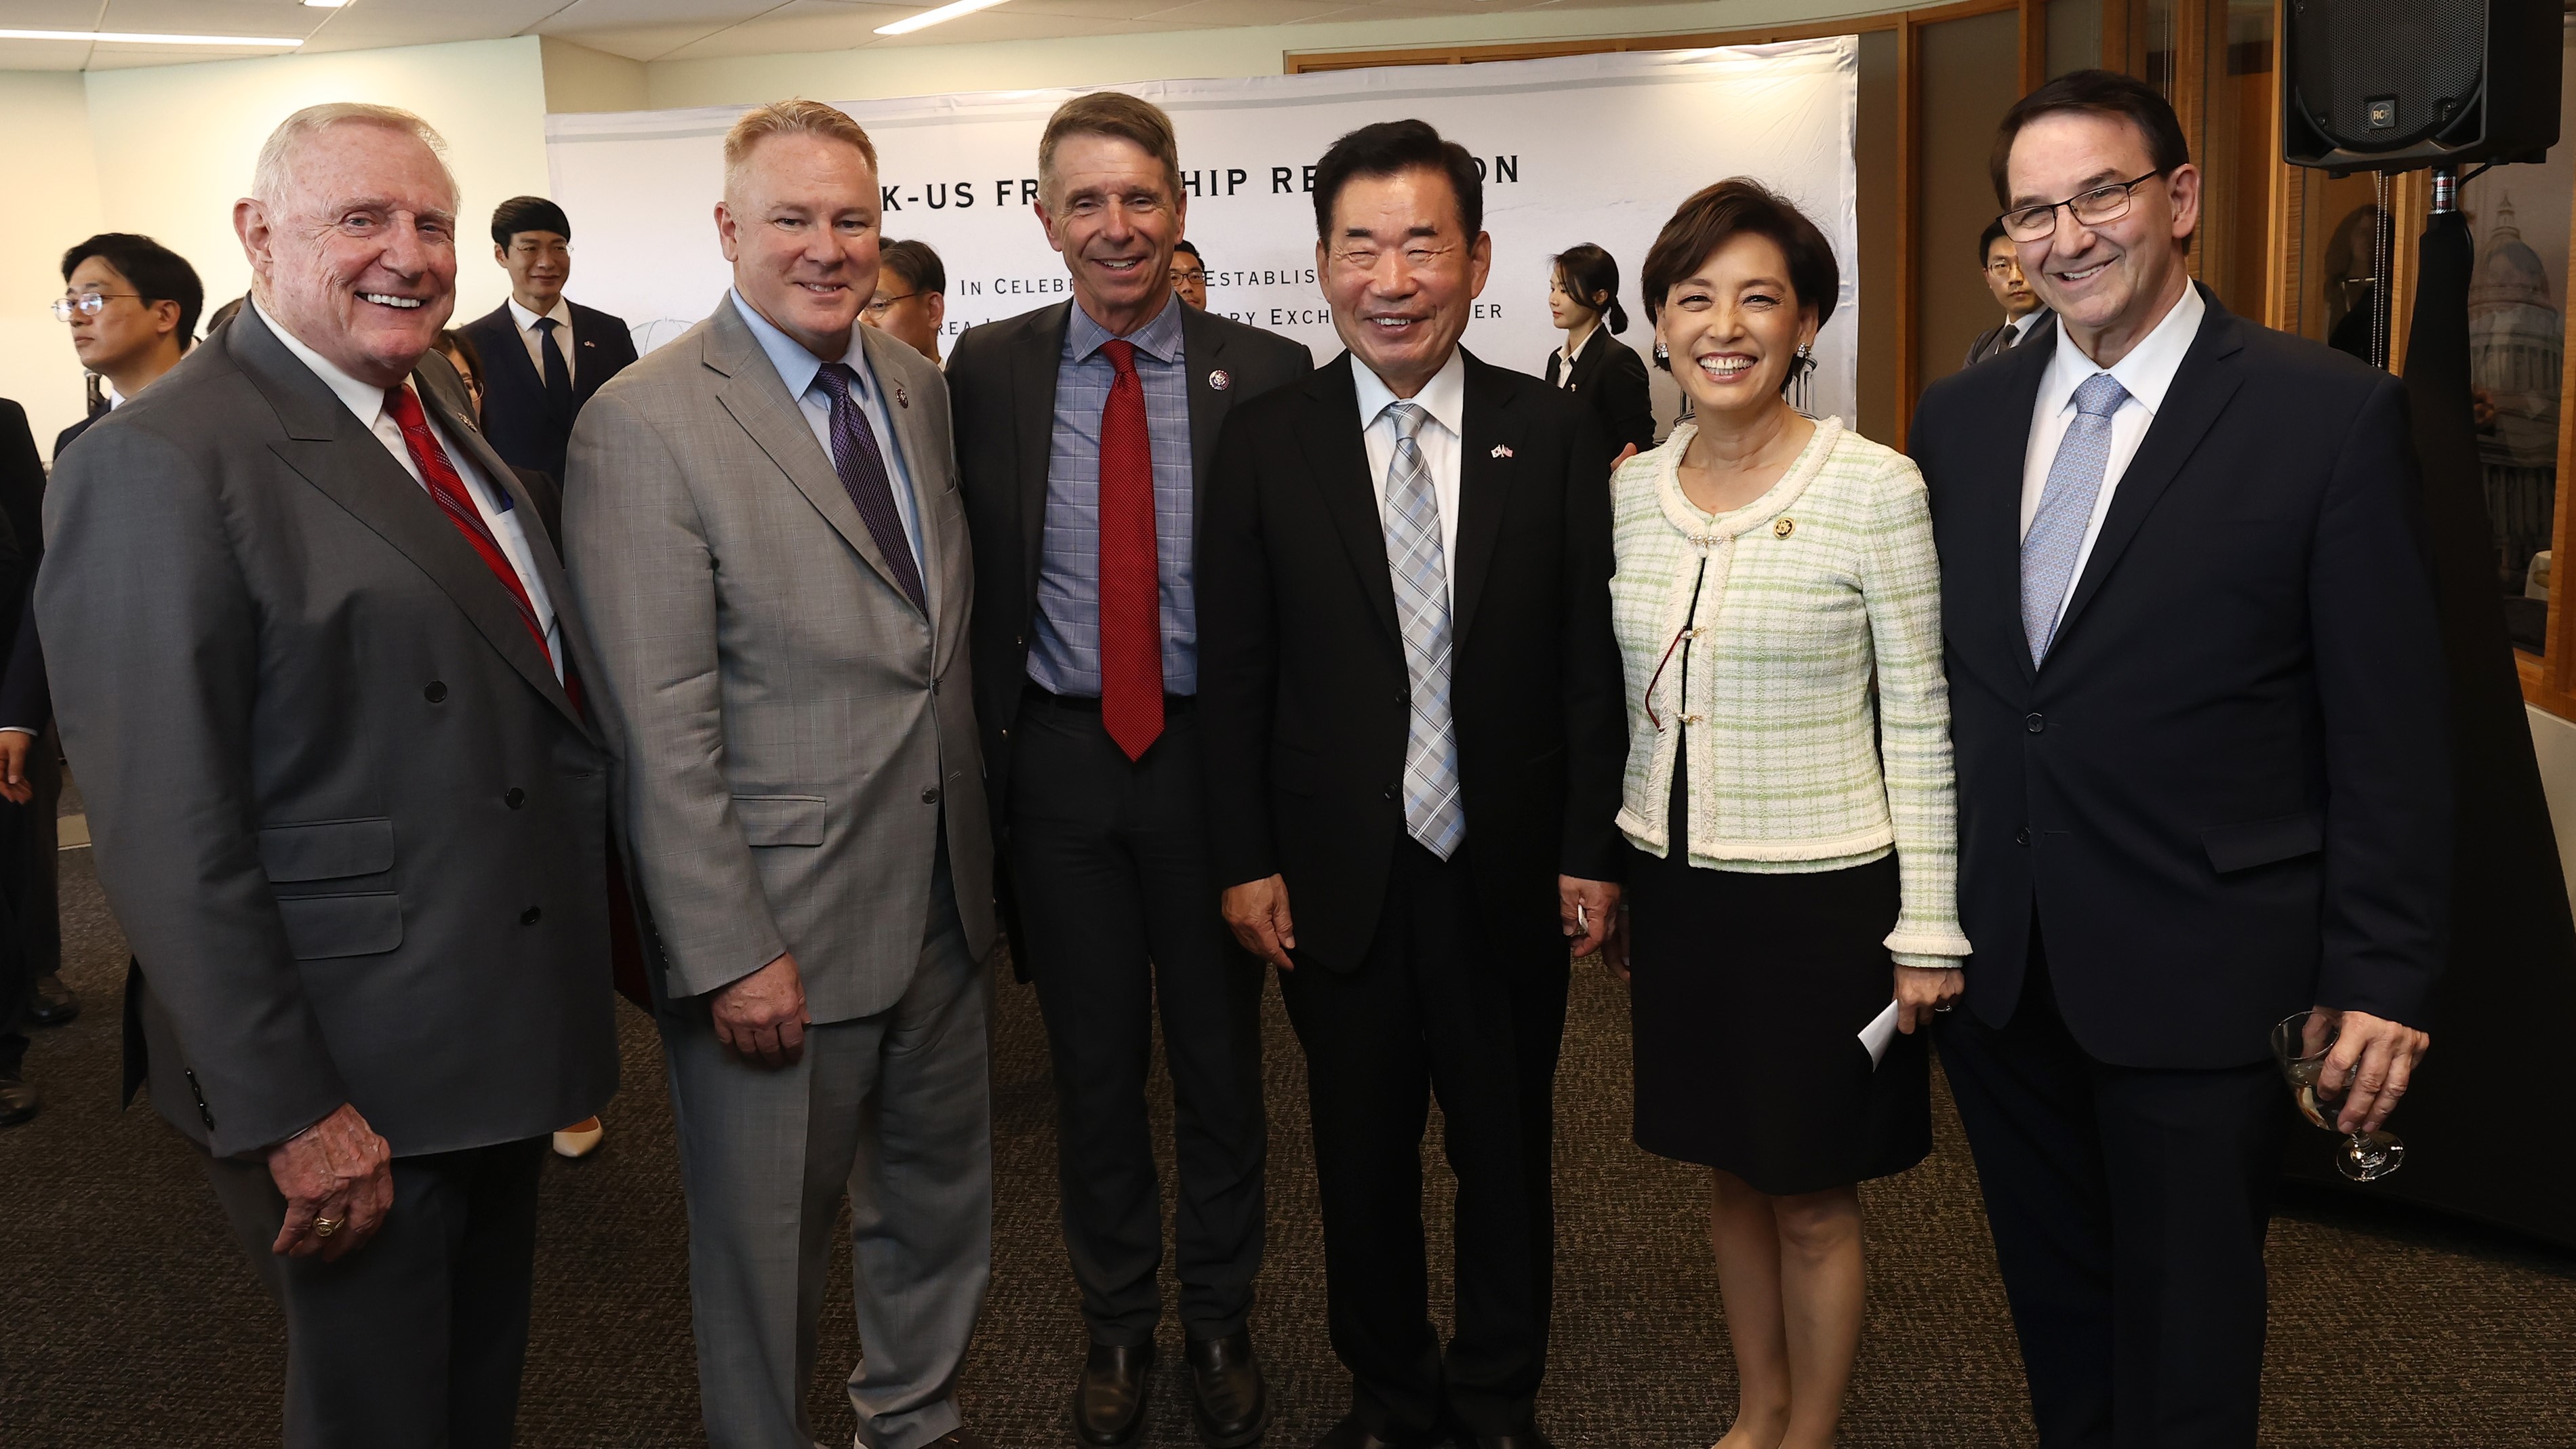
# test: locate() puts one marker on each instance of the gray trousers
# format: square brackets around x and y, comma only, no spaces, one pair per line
[892,1109]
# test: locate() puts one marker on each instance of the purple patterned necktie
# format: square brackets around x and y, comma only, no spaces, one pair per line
[863,475]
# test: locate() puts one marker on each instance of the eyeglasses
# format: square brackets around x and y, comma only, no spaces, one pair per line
[879,306]
[1189,274]
[2013,264]
[86,304]
[2093,208]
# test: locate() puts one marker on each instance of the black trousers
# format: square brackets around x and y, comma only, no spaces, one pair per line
[417,1338]
[2129,1207]
[1436,1007]
[31,930]
[1119,918]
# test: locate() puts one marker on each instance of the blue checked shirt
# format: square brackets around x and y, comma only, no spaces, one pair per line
[1064,657]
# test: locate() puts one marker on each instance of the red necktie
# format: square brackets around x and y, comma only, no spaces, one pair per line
[1131,643]
[449,489]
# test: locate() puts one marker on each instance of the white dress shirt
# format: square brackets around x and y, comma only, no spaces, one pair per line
[534,341]
[1445,398]
[2147,373]
[1572,349]
[367,402]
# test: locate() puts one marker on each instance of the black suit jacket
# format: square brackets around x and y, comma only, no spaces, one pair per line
[1611,378]
[2226,795]
[2042,328]
[1001,390]
[1303,696]
[524,426]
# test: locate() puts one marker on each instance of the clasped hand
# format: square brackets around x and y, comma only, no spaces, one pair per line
[338,1171]
[1257,912]
[761,1017]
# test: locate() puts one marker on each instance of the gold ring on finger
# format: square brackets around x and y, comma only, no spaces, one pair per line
[325,1227]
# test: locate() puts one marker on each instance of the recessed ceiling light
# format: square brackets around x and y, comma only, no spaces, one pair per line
[928,18]
[128,37]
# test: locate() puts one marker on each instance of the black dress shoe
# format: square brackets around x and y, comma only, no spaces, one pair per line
[1109,1399]
[19,1100]
[51,1003]
[958,1438]
[1231,1404]
[1354,1433]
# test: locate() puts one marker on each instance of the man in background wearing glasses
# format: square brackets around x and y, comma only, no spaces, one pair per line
[2024,317]
[2197,698]
[544,357]
[911,301]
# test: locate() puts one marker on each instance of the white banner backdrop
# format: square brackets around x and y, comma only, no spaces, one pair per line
[1596,148]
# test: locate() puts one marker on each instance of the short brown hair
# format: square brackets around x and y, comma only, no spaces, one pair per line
[1118,115]
[2093,93]
[1740,206]
[790,118]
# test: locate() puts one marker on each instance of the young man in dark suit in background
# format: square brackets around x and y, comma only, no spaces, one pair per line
[2197,697]
[1085,431]
[544,356]
[1412,705]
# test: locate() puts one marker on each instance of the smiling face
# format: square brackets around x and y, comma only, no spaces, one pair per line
[2004,279]
[2109,283]
[799,224]
[1734,327]
[539,263]
[127,332]
[357,255]
[1401,274]
[1110,211]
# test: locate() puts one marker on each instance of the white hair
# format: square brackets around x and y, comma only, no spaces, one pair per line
[274,175]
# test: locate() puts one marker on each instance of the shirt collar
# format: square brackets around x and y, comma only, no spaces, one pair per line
[1159,339]
[2147,373]
[796,366]
[364,399]
[1574,345]
[526,319]
[2020,326]
[1444,397]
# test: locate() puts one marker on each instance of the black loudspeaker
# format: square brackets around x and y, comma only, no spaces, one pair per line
[2402,85]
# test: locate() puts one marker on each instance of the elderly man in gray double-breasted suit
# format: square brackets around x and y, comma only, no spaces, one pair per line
[306,645]
[766,536]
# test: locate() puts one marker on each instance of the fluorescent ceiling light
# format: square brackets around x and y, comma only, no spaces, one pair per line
[928,18]
[125,37]
[326,4]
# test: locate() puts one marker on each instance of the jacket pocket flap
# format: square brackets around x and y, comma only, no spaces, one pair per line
[326,849]
[781,819]
[318,927]
[2262,842]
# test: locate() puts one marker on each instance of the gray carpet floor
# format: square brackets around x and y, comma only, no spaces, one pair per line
[127,1315]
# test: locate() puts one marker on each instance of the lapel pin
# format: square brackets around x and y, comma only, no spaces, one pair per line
[1502,450]
[902,399]
[1784,528]
[1220,380]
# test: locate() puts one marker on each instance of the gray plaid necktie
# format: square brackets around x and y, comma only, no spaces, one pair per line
[2065,509]
[1433,813]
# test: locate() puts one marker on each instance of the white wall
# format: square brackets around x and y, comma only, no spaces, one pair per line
[51,183]
[2553,740]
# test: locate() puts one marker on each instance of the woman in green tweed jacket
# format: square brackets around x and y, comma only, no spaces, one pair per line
[1789,800]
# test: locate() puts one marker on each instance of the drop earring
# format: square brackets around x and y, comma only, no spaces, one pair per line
[1663,354]
[1804,367]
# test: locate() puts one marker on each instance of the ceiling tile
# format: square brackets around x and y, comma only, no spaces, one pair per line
[1214,13]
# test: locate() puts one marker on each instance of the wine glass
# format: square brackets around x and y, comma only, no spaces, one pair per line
[2300,1044]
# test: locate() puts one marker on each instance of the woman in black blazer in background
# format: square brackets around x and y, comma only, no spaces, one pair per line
[1583,300]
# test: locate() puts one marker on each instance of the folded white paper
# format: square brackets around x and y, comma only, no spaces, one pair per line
[1880,1031]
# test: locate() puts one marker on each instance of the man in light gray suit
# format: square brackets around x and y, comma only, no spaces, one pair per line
[303,640]
[766,535]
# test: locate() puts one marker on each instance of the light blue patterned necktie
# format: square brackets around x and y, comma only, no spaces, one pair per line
[1433,814]
[2056,534]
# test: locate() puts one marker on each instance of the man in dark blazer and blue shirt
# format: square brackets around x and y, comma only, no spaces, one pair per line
[2198,702]
[544,355]
[318,663]
[1415,735]
[1084,435]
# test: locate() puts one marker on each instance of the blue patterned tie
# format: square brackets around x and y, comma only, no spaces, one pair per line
[1433,814]
[2065,509]
[863,476]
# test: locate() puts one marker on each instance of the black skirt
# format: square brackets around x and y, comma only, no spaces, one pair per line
[1746,1000]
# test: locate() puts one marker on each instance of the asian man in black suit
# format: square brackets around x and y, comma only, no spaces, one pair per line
[1092,750]
[1411,700]
[2198,704]
[544,355]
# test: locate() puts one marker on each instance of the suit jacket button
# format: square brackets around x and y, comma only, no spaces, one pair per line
[435,692]
[2034,723]
[930,796]
[1390,792]
[514,797]
[2022,836]
[530,916]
